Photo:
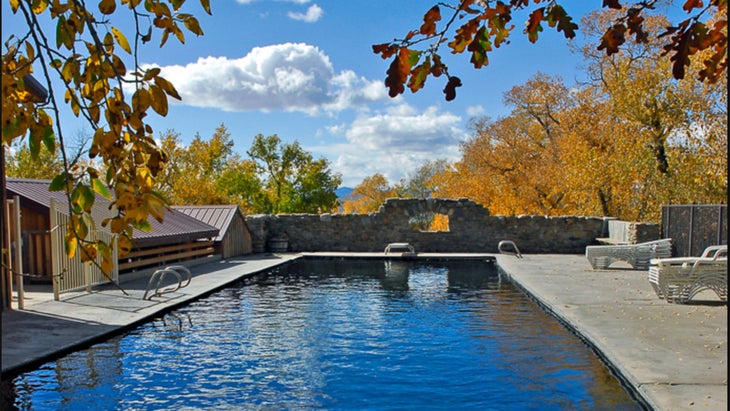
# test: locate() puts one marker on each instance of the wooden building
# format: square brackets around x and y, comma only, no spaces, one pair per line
[233,238]
[178,239]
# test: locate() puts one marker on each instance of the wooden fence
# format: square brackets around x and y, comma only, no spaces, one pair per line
[71,274]
[155,256]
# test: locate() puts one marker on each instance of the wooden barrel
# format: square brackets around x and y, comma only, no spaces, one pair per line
[278,245]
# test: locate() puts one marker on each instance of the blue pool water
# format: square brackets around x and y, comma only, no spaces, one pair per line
[340,335]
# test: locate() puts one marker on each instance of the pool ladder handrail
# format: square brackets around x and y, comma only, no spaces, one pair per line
[516,251]
[160,274]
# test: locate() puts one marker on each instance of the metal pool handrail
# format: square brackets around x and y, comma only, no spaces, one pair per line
[159,275]
[515,252]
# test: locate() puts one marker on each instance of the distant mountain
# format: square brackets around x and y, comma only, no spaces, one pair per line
[343,192]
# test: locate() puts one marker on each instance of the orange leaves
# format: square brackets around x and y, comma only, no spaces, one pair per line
[399,71]
[485,28]
[479,48]
[533,26]
[464,36]
[555,16]
[687,39]
[386,50]
[428,28]
[479,26]
[612,39]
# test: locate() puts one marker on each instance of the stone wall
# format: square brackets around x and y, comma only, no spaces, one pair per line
[471,229]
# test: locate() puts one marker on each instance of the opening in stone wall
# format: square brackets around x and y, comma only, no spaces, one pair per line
[429,221]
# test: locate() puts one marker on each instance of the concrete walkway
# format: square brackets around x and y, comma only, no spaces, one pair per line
[675,356]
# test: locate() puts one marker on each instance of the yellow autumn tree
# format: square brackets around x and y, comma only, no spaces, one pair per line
[104,84]
[369,195]
[208,172]
[667,133]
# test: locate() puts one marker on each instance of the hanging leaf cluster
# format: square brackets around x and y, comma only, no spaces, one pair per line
[90,56]
[477,27]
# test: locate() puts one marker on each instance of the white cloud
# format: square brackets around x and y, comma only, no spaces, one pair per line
[475,111]
[393,143]
[313,14]
[289,77]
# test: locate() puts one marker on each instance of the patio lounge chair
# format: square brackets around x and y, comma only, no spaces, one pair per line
[638,255]
[679,279]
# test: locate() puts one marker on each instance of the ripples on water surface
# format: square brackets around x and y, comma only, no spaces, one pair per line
[331,334]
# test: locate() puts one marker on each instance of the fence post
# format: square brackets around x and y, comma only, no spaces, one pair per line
[55,257]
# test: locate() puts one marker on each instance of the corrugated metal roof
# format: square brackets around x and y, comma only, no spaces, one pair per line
[219,216]
[177,227]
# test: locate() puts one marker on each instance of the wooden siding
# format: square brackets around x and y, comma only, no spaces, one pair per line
[37,259]
[36,243]
[236,240]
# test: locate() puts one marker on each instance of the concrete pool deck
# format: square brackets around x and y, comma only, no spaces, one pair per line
[674,356]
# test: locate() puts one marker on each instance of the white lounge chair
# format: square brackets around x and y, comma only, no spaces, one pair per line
[679,279]
[637,255]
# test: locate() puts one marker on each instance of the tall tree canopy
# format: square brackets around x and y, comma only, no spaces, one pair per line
[294,182]
[477,27]
[276,177]
[208,172]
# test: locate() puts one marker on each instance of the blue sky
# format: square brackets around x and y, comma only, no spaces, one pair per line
[305,70]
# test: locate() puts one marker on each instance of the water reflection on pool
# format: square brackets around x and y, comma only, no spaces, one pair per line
[334,334]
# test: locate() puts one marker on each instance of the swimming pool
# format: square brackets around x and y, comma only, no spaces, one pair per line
[340,334]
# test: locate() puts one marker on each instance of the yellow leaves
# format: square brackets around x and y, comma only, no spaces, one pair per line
[141,100]
[107,6]
[92,76]
[149,74]
[167,87]
[70,69]
[155,205]
[121,40]
[191,23]
[206,6]
[39,6]
[88,253]
[70,242]
[158,100]
[124,245]
[107,261]
[126,201]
